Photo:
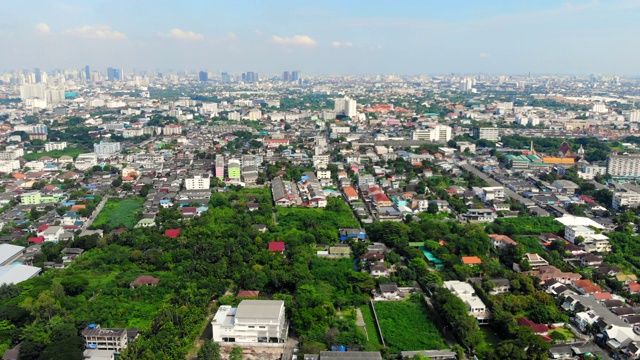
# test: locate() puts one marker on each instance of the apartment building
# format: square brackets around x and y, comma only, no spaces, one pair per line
[51,146]
[197,182]
[623,165]
[99,338]
[487,133]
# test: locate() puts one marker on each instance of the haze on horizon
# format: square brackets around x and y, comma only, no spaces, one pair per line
[324,37]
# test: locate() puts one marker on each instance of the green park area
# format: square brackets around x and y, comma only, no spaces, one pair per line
[70,151]
[407,325]
[119,213]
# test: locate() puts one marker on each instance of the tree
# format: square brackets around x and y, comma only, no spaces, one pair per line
[209,351]
[509,350]
[433,208]
[127,186]
[236,353]
[74,285]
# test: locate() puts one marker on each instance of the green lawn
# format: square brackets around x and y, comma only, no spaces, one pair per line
[119,213]
[566,332]
[407,325]
[374,339]
[73,152]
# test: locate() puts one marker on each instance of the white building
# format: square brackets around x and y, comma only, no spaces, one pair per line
[172,129]
[251,323]
[491,193]
[475,306]
[86,161]
[439,133]
[630,199]
[589,172]
[197,182]
[345,106]
[487,133]
[51,146]
[106,148]
[623,165]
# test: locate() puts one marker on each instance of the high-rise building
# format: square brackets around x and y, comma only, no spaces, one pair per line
[438,133]
[38,76]
[295,75]
[87,73]
[286,76]
[114,74]
[203,76]
[226,78]
[250,77]
[345,106]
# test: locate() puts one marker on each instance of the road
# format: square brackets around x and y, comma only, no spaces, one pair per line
[95,213]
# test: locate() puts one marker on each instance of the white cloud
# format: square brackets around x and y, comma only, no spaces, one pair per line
[180,34]
[231,36]
[337,44]
[484,55]
[43,28]
[258,32]
[298,40]
[96,32]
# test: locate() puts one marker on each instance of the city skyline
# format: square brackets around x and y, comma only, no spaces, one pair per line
[327,37]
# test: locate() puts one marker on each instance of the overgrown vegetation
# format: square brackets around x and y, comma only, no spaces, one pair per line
[119,213]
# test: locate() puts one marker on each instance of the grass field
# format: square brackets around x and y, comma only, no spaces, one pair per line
[374,339]
[119,213]
[73,152]
[406,325]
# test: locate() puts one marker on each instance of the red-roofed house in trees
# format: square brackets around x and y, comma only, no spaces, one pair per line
[36,239]
[538,329]
[276,246]
[172,233]
[144,280]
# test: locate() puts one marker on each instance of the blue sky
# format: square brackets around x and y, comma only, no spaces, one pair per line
[324,37]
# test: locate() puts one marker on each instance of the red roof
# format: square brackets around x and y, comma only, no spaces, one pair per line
[145,280]
[172,233]
[537,328]
[276,246]
[248,293]
[43,227]
[602,296]
[471,260]
[37,239]
[188,209]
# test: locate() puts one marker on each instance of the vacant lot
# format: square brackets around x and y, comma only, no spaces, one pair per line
[406,325]
[119,213]
[73,152]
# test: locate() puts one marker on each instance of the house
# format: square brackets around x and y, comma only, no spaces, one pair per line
[253,206]
[471,260]
[389,291]
[538,329]
[465,292]
[590,260]
[50,233]
[480,215]
[252,322]
[144,280]
[276,247]
[618,337]
[500,241]
[550,272]
[260,227]
[357,234]
[172,233]
[586,286]
[633,287]
[535,260]
[379,269]
[146,222]
[350,193]
[501,286]
[99,338]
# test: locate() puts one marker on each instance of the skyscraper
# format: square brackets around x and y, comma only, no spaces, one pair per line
[38,75]
[295,75]
[87,72]
[203,76]
[114,74]
[286,76]
[251,77]
[345,106]
[226,78]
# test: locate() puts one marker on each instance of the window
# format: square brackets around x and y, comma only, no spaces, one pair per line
[252,327]
[262,327]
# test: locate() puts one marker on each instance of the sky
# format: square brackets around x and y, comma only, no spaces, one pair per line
[324,37]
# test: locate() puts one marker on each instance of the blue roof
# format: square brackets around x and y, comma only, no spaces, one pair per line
[202,208]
